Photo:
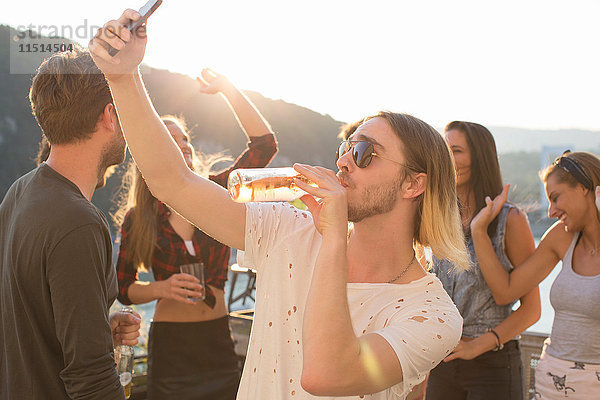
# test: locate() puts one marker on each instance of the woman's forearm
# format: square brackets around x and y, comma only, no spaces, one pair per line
[527,314]
[249,118]
[496,277]
[144,292]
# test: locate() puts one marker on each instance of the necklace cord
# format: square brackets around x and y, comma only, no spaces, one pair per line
[405,269]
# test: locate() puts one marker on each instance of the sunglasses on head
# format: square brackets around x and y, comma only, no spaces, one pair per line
[362,153]
[573,167]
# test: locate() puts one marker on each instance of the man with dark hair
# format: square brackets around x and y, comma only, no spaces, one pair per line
[56,277]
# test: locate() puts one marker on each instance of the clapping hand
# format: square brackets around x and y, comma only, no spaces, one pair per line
[487,214]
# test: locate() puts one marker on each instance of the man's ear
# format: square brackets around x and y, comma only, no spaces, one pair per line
[108,118]
[414,185]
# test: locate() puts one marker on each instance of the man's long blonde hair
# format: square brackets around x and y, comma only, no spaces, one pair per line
[438,225]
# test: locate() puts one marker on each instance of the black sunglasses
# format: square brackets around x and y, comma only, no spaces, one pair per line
[362,153]
[573,167]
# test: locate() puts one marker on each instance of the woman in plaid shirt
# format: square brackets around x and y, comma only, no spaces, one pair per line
[191,354]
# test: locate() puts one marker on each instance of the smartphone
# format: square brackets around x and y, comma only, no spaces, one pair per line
[146,11]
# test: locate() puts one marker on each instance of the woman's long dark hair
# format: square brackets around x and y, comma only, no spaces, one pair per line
[486,178]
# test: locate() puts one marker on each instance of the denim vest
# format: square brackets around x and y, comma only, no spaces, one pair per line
[468,289]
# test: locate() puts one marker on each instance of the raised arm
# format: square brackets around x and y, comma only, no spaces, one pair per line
[250,119]
[507,287]
[152,147]
[519,245]
[262,145]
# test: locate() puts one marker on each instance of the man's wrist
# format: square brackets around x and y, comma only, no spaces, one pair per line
[118,79]
[335,237]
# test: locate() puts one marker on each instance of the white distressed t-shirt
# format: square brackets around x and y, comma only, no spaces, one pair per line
[418,319]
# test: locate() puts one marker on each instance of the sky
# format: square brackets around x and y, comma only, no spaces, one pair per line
[531,64]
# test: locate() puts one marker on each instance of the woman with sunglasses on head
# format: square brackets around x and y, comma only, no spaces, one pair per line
[190,350]
[486,364]
[570,362]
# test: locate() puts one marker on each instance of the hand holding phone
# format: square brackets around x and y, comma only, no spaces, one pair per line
[146,11]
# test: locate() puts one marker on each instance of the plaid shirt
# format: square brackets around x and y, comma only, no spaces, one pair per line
[170,251]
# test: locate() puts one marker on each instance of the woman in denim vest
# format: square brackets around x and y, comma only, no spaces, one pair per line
[486,364]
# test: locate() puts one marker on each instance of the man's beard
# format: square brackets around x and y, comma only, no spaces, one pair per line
[112,154]
[375,200]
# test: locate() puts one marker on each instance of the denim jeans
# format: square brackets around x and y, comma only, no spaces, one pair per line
[494,375]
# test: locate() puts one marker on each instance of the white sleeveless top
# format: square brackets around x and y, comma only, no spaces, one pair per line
[576,301]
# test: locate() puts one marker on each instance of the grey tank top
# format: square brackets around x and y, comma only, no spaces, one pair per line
[468,289]
[576,301]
